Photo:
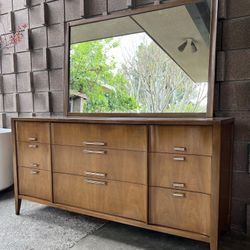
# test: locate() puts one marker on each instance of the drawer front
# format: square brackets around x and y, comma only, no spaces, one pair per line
[188,172]
[118,165]
[181,210]
[33,132]
[33,155]
[111,197]
[181,139]
[35,183]
[111,136]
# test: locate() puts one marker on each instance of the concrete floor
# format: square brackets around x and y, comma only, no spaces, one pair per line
[114,236]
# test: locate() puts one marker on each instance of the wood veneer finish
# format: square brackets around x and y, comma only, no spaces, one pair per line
[110,197]
[180,209]
[120,165]
[195,140]
[134,199]
[33,132]
[34,183]
[118,137]
[194,172]
[34,155]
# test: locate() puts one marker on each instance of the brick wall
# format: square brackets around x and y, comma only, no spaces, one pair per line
[233,93]
[31,79]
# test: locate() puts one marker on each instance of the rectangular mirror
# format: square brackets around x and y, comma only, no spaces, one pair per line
[143,62]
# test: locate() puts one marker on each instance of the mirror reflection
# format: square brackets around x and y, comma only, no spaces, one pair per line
[155,62]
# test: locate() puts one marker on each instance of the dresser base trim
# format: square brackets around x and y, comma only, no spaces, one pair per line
[130,222]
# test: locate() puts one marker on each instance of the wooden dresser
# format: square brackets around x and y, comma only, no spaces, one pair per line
[168,175]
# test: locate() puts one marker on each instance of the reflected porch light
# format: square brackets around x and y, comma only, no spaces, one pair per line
[188,43]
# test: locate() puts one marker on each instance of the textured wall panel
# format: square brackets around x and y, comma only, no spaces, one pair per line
[21,17]
[73,9]
[39,38]
[55,12]
[238,8]
[9,83]
[23,62]
[42,102]
[41,81]
[5,6]
[56,79]
[237,64]
[8,63]
[97,7]
[57,102]
[235,96]
[56,57]
[114,5]
[56,35]
[11,102]
[36,16]
[24,82]
[6,25]
[25,102]
[38,62]
[236,33]
[18,4]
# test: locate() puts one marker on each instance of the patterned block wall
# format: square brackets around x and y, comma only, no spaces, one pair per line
[31,80]
[233,97]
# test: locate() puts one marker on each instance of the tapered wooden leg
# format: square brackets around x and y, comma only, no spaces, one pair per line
[214,244]
[18,203]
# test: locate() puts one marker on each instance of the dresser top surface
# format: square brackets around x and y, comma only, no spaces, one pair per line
[131,120]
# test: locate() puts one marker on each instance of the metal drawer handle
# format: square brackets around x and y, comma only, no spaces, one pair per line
[34,172]
[94,143]
[33,146]
[100,152]
[178,185]
[179,158]
[95,174]
[96,182]
[34,165]
[180,149]
[32,139]
[178,195]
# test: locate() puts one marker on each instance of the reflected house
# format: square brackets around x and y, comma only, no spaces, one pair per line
[76,101]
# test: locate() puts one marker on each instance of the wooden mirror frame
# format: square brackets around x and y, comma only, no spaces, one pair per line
[141,10]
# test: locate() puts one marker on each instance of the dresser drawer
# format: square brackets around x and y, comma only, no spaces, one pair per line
[181,139]
[121,165]
[110,136]
[33,155]
[188,172]
[111,197]
[35,183]
[180,210]
[33,132]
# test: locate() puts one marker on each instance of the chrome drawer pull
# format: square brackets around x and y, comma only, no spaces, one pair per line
[34,172]
[179,158]
[100,152]
[178,185]
[94,143]
[32,139]
[178,195]
[95,182]
[180,149]
[95,174]
[33,146]
[34,165]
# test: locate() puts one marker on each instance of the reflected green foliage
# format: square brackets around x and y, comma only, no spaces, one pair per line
[93,74]
[147,81]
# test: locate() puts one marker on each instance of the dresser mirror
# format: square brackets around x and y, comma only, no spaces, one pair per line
[151,61]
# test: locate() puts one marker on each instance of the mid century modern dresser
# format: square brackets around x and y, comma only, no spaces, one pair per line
[171,175]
